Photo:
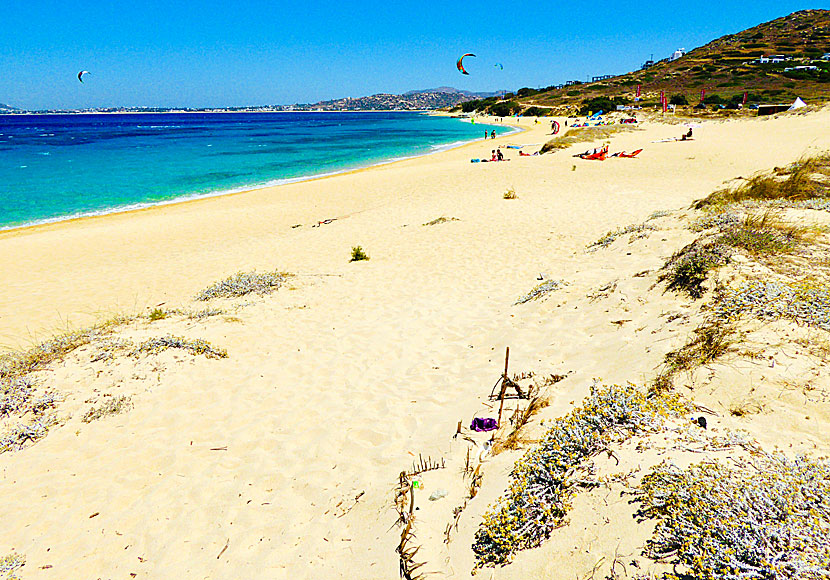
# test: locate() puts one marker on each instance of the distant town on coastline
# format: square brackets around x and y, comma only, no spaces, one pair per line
[776,61]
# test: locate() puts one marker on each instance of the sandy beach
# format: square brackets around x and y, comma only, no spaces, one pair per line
[281,460]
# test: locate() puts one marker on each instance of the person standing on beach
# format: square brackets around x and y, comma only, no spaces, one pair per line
[485,134]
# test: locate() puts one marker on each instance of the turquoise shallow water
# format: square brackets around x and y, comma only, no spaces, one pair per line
[61,166]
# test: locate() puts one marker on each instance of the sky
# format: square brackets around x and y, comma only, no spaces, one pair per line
[170,53]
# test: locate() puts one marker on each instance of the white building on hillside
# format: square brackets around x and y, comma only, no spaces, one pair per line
[678,53]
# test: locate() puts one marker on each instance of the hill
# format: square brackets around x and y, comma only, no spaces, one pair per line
[6,108]
[725,68]
[441,97]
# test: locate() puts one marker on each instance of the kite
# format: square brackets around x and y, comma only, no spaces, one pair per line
[81,74]
[460,64]
[499,66]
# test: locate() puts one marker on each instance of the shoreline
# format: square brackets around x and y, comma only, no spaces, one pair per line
[189,198]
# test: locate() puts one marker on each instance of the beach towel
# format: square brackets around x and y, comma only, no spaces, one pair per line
[484,424]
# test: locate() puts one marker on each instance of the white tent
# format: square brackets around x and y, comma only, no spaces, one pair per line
[797,104]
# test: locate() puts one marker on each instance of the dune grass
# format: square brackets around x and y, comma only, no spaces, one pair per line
[194,346]
[111,406]
[807,178]
[687,269]
[709,342]
[243,283]
[582,135]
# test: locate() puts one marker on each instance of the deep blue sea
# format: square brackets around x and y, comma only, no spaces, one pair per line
[60,166]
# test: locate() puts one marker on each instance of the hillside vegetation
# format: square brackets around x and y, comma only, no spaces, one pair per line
[725,68]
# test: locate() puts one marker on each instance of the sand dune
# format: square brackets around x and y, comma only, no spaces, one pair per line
[280,461]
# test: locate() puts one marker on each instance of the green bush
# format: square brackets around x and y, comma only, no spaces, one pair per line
[358,254]
[678,100]
[505,108]
[574,93]
[601,104]
[536,112]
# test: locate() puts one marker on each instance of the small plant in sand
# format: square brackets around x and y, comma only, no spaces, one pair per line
[194,346]
[510,194]
[687,269]
[22,434]
[157,314]
[243,283]
[638,231]
[358,254]
[205,313]
[766,518]
[543,482]
[441,220]
[709,342]
[539,291]
[112,406]
[10,565]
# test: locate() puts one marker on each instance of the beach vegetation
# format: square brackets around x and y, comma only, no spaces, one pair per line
[583,134]
[10,564]
[358,254]
[767,517]
[544,481]
[21,434]
[805,303]
[807,178]
[638,231]
[687,269]
[514,439]
[762,234]
[536,112]
[204,313]
[603,103]
[678,99]
[243,283]
[709,342]
[18,364]
[504,108]
[441,220]
[510,194]
[111,406]
[539,291]
[194,346]
[574,93]
[157,314]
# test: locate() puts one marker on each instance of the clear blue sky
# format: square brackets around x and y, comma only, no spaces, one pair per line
[250,52]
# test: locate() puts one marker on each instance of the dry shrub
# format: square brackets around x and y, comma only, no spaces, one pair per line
[807,178]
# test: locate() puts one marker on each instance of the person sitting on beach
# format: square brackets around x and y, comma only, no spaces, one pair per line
[493,157]
[687,135]
[493,134]
[499,155]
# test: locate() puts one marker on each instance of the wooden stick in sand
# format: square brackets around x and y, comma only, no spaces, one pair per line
[503,385]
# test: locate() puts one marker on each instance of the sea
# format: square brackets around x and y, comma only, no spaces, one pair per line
[57,167]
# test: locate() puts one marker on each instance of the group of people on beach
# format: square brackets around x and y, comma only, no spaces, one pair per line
[492,134]
[497,155]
